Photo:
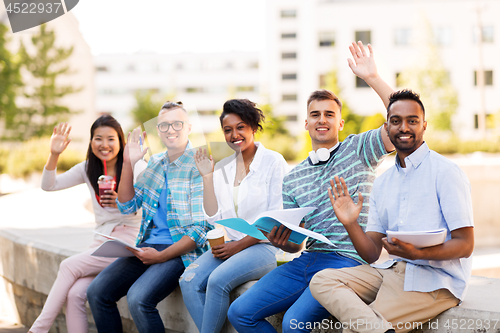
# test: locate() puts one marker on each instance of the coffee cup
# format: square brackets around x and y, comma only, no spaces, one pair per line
[215,237]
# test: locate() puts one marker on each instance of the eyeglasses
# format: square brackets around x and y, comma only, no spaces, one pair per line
[176,125]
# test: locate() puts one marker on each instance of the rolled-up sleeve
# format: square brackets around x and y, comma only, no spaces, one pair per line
[135,203]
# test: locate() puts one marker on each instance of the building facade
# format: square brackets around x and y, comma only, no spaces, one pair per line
[201,81]
[308,39]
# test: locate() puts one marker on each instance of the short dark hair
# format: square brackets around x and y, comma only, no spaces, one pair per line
[246,110]
[168,105]
[322,95]
[405,94]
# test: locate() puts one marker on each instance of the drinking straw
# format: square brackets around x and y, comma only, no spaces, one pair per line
[105,169]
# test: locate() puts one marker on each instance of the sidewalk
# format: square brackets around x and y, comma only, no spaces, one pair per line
[8,327]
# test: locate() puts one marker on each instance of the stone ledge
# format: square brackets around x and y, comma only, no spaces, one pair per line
[28,269]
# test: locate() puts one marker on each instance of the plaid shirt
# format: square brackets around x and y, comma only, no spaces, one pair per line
[185,183]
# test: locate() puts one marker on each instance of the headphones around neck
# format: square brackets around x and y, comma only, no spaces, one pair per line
[322,154]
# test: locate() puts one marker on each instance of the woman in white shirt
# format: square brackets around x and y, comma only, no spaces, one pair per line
[106,145]
[244,184]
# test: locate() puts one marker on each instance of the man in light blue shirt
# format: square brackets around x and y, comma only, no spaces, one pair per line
[424,191]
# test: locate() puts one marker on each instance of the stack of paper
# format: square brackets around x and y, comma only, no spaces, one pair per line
[419,238]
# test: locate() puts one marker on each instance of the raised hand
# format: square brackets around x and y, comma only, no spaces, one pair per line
[59,139]
[345,209]
[132,152]
[362,64]
[205,166]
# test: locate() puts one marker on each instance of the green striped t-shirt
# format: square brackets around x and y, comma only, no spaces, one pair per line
[306,185]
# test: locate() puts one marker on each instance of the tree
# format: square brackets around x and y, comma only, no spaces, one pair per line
[275,135]
[43,94]
[429,78]
[10,79]
[372,122]
[273,125]
[146,108]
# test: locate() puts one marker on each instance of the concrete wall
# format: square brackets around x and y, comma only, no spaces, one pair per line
[28,269]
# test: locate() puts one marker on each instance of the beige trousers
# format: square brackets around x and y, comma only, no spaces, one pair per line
[367,299]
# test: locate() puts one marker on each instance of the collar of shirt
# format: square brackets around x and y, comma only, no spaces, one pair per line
[415,158]
[181,159]
[257,159]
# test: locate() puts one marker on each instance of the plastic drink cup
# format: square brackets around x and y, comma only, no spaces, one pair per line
[215,237]
[105,183]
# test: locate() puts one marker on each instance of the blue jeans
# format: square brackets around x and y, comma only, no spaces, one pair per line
[285,288]
[144,285]
[207,282]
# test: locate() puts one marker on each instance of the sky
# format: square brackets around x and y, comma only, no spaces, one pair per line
[171,26]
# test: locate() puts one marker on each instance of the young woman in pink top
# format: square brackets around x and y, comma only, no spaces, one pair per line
[106,145]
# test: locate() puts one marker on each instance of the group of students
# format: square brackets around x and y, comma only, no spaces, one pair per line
[181,195]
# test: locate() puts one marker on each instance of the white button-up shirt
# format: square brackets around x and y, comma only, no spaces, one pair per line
[259,191]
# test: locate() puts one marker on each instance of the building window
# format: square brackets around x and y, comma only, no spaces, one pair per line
[360,83]
[490,121]
[488,78]
[289,55]
[208,112]
[365,36]
[288,35]
[326,38]
[288,13]
[289,76]
[194,89]
[289,97]
[402,36]
[101,68]
[291,117]
[443,36]
[488,34]
[152,91]
[245,88]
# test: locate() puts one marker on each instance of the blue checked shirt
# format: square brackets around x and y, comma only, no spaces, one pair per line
[185,183]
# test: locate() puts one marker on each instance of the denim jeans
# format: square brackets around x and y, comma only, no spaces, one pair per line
[285,288]
[144,285]
[207,282]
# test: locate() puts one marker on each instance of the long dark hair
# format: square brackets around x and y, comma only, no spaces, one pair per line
[95,167]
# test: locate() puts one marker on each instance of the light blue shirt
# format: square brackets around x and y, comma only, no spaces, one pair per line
[430,193]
